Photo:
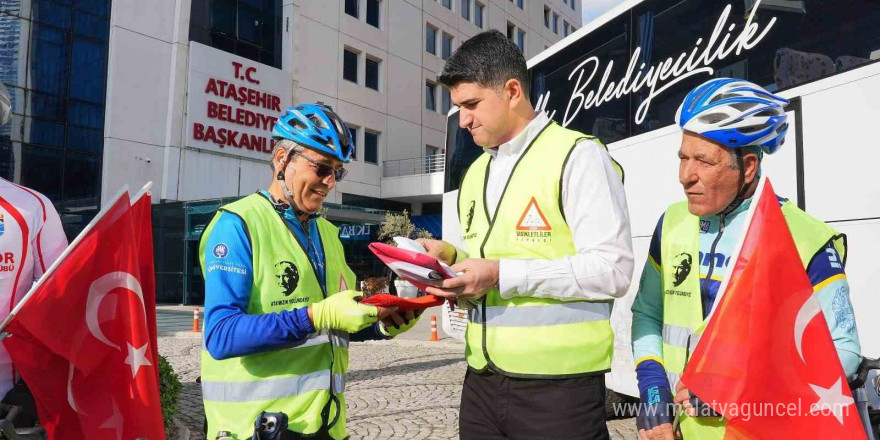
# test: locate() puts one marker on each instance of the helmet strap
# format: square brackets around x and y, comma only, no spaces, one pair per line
[743,188]
[288,195]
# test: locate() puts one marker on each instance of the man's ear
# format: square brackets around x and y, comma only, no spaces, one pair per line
[513,91]
[750,166]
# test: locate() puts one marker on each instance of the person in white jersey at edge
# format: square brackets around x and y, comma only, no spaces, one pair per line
[31,239]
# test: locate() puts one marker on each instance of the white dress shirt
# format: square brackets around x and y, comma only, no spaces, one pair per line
[595,209]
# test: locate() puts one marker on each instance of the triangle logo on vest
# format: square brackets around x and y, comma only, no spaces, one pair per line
[532,219]
[532,225]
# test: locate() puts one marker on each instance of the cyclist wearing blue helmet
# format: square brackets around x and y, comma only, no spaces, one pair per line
[279,304]
[728,124]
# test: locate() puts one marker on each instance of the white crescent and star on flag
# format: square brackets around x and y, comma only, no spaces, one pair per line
[137,356]
[831,399]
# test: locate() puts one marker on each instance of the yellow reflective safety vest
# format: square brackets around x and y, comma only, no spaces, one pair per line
[305,381]
[683,321]
[522,336]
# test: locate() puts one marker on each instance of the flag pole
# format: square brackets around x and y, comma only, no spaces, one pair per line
[70,247]
[735,256]
[145,190]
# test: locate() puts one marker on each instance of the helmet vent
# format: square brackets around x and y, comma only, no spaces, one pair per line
[713,118]
[743,106]
[766,113]
[753,128]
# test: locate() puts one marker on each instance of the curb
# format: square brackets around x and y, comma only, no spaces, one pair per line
[183,433]
[179,334]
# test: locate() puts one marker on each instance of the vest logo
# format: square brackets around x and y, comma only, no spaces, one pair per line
[220,250]
[2,225]
[704,226]
[532,219]
[532,225]
[343,286]
[288,278]
[682,265]
[470,217]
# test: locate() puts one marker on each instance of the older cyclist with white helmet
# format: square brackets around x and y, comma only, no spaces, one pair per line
[727,126]
[279,304]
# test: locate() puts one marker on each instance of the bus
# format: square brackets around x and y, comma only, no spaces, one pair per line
[622,77]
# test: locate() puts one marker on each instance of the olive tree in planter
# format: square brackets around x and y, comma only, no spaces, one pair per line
[400,225]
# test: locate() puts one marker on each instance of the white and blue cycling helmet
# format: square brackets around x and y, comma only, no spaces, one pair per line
[317,127]
[735,113]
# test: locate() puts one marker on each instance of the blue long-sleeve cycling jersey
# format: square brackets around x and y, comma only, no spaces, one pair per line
[825,272]
[229,330]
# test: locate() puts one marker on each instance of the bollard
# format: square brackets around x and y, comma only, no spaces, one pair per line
[196,320]
[434,337]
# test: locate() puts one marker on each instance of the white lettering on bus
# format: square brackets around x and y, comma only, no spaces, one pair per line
[664,74]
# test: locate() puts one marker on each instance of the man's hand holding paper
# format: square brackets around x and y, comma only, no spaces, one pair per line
[478,277]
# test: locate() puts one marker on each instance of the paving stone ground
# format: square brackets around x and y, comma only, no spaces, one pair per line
[395,389]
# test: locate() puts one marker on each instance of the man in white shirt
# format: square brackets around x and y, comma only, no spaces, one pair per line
[544,211]
[31,239]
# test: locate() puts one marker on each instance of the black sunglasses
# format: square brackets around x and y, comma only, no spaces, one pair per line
[323,170]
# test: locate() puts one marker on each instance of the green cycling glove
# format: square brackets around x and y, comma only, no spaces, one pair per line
[395,330]
[342,311]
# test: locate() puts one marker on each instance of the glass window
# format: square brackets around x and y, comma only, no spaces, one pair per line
[521,40]
[350,65]
[510,29]
[430,96]
[46,133]
[85,114]
[351,8]
[446,101]
[90,26]
[555,23]
[565,28]
[572,5]
[248,28]
[97,7]
[223,14]
[519,4]
[81,171]
[447,46]
[85,139]
[546,17]
[466,9]
[87,67]
[431,39]
[52,13]
[371,78]
[49,60]
[373,13]
[249,22]
[371,147]
[447,4]
[478,15]
[41,170]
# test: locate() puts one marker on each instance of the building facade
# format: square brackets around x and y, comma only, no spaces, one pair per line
[184,93]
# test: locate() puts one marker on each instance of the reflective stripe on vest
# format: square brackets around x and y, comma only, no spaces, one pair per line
[683,323]
[563,339]
[533,316]
[270,389]
[296,380]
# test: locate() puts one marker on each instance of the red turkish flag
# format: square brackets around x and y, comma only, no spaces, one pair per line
[766,360]
[81,340]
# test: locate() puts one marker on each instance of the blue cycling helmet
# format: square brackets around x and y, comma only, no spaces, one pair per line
[735,113]
[317,127]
